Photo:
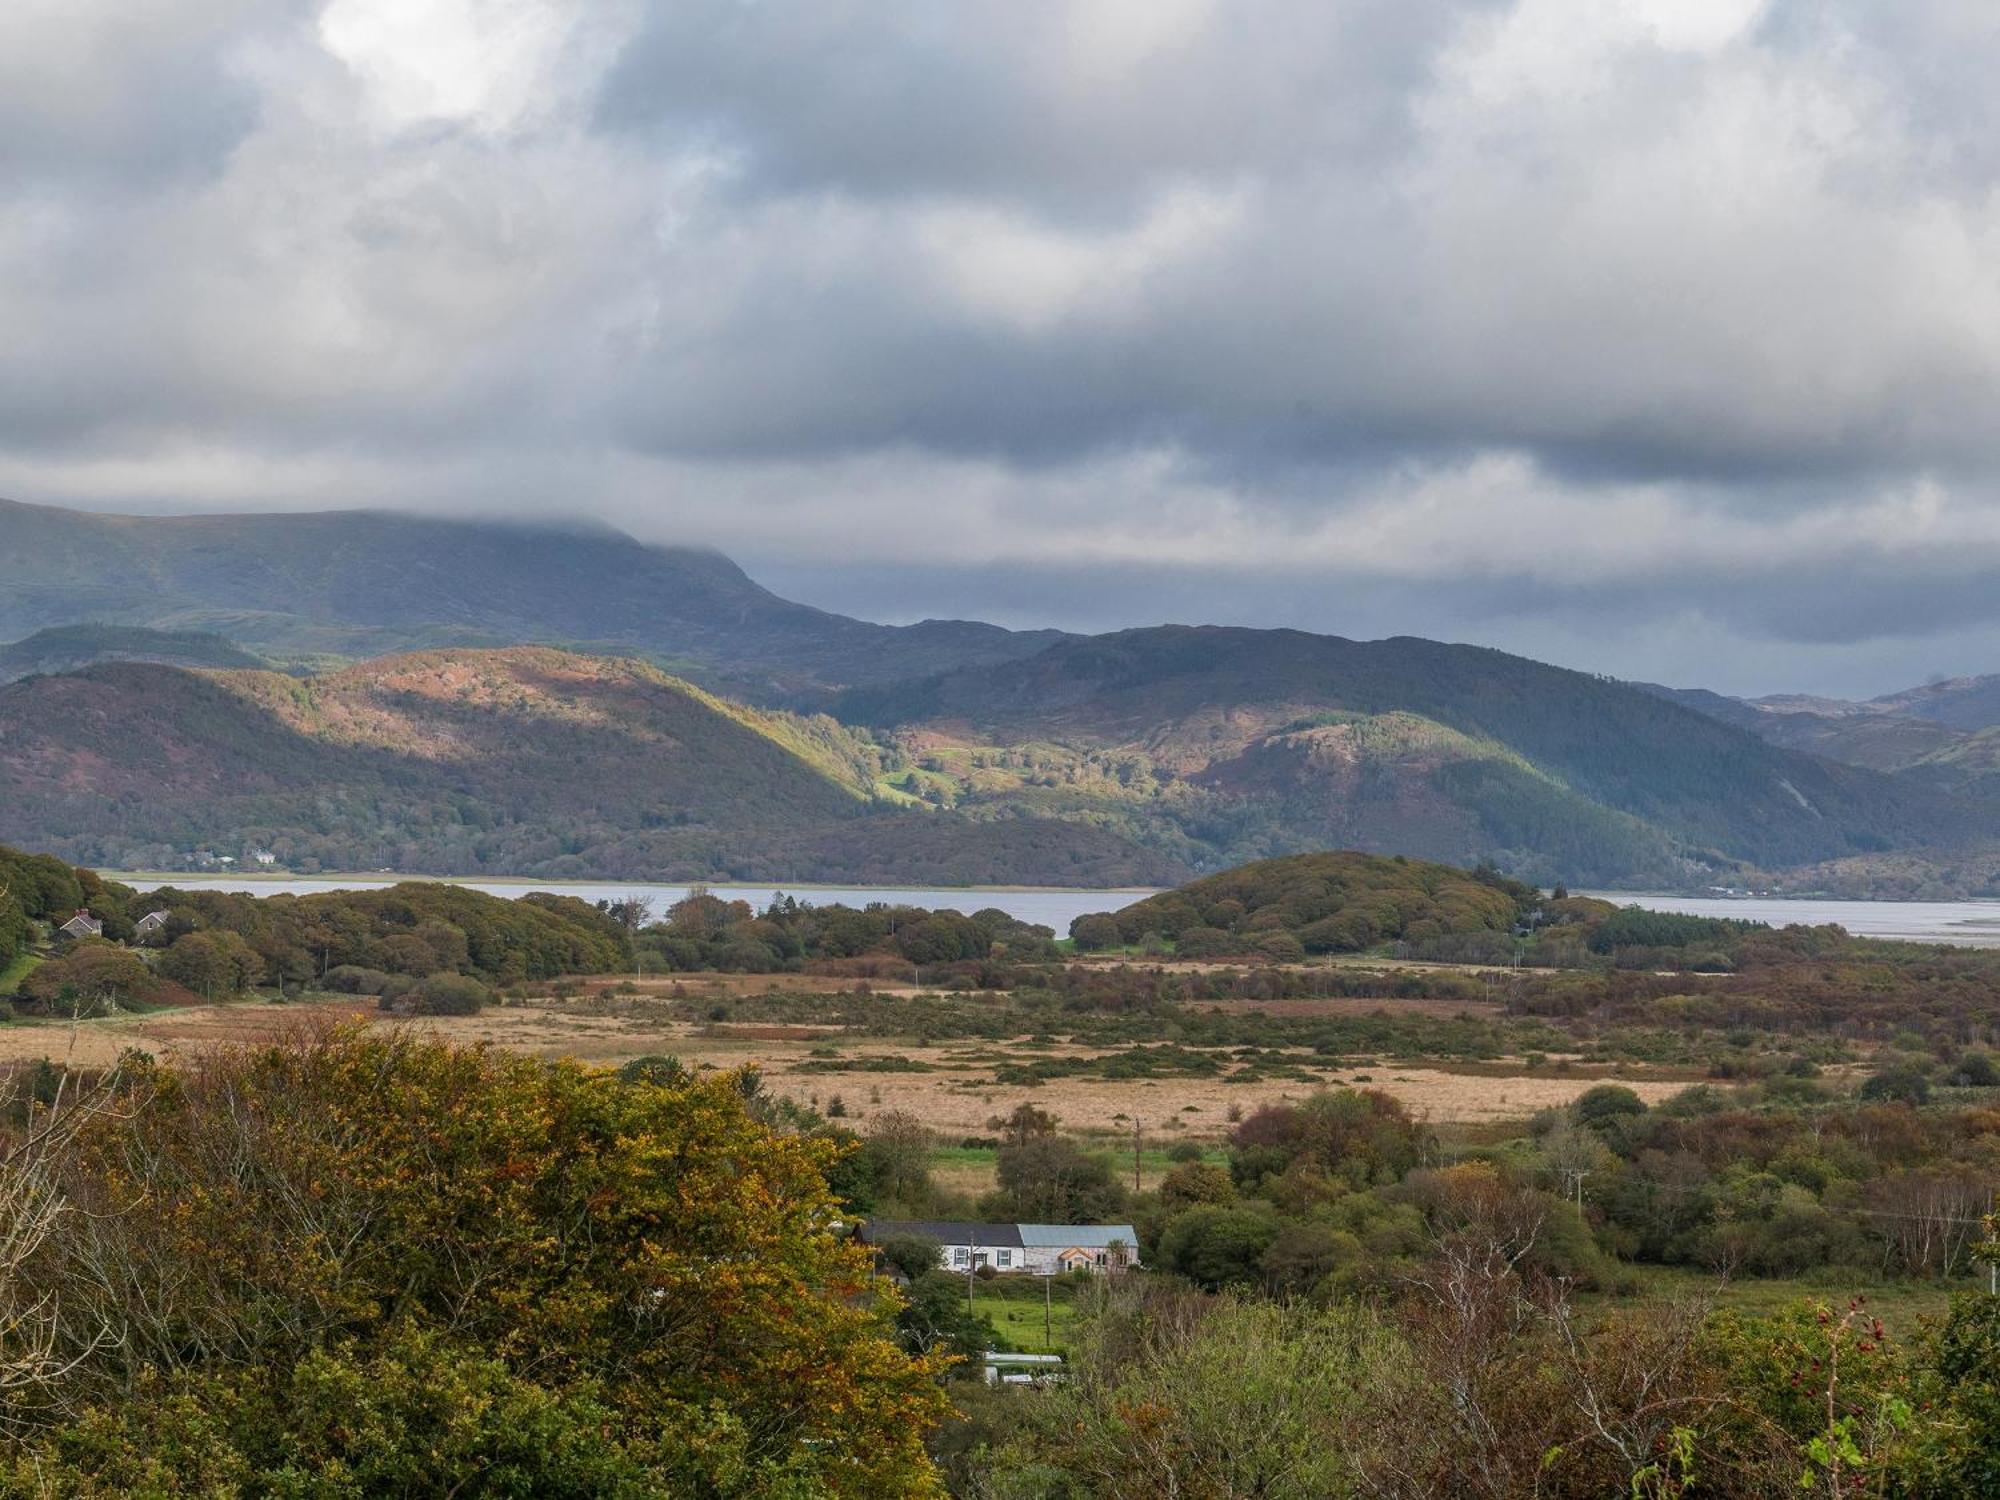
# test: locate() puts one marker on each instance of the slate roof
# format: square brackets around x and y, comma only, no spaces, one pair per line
[945,1232]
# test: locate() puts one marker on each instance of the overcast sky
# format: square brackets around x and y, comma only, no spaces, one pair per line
[1657,337]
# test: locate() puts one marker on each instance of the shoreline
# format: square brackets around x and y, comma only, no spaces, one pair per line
[535,883]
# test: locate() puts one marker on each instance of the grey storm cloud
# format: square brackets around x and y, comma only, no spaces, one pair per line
[1548,322]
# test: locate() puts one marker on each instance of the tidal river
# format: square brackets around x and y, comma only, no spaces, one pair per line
[1971,923]
[1051,907]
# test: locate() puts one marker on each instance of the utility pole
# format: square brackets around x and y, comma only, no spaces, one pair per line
[1136,1123]
[1576,1176]
[1048,1338]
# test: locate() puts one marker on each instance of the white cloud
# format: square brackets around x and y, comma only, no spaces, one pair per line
[1560,296]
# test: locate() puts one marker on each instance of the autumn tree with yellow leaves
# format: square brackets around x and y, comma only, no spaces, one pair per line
[361,1263]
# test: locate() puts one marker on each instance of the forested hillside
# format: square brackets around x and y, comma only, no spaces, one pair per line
[528,761]
[1336,902]
[1283,741]
[65,648]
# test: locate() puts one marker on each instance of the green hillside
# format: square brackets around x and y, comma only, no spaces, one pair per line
[528,761]
[1217,790]
[1134,759]
[64,648]
[1261,742]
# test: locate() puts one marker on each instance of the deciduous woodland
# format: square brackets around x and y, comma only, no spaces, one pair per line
[1742,1250]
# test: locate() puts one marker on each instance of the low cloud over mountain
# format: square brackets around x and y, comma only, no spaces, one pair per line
[1658,337]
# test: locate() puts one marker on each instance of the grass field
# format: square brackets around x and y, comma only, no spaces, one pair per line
[1899,1304]
[11,976]
[1016,1306]
[970,1169]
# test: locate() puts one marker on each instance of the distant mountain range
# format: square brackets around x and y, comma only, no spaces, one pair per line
[1942,739]
[352,584]
[1944,734]
[145,723]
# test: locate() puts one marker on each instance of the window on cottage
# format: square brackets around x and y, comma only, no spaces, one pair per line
[1006,1258]
[960,1256]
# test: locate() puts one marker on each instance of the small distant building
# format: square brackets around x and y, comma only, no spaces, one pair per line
[264,857]
[82,925]
[1078,1247]
[961,1246]
[152,922]
[1038,1249]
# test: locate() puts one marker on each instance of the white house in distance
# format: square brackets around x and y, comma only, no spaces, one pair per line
[1034,1249]
[149,924]
[1078,1247]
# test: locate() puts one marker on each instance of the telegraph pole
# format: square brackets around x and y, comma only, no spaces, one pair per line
[1136,1123]
[1576,1176]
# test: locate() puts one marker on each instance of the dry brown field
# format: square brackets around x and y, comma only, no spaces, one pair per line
[605,1022]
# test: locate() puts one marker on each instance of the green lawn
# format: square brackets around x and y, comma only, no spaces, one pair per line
[18,970]
[1015,1306]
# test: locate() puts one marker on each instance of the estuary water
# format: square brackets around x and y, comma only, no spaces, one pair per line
[1970,923]
[1051,907]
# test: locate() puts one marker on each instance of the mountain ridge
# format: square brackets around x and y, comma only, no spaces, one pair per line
[1718,792]
[1165,749]
[367,583]
[524,761]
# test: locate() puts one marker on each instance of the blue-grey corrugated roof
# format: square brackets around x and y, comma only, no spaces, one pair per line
[1079,1236]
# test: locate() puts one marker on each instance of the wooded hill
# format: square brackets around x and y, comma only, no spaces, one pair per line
[65,648]
[1259,742]
[527,761]
[1942,739]
[1337,902]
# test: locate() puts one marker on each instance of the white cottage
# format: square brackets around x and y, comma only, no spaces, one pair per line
[1039,1249]
[962,1246]
[1079,1247]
